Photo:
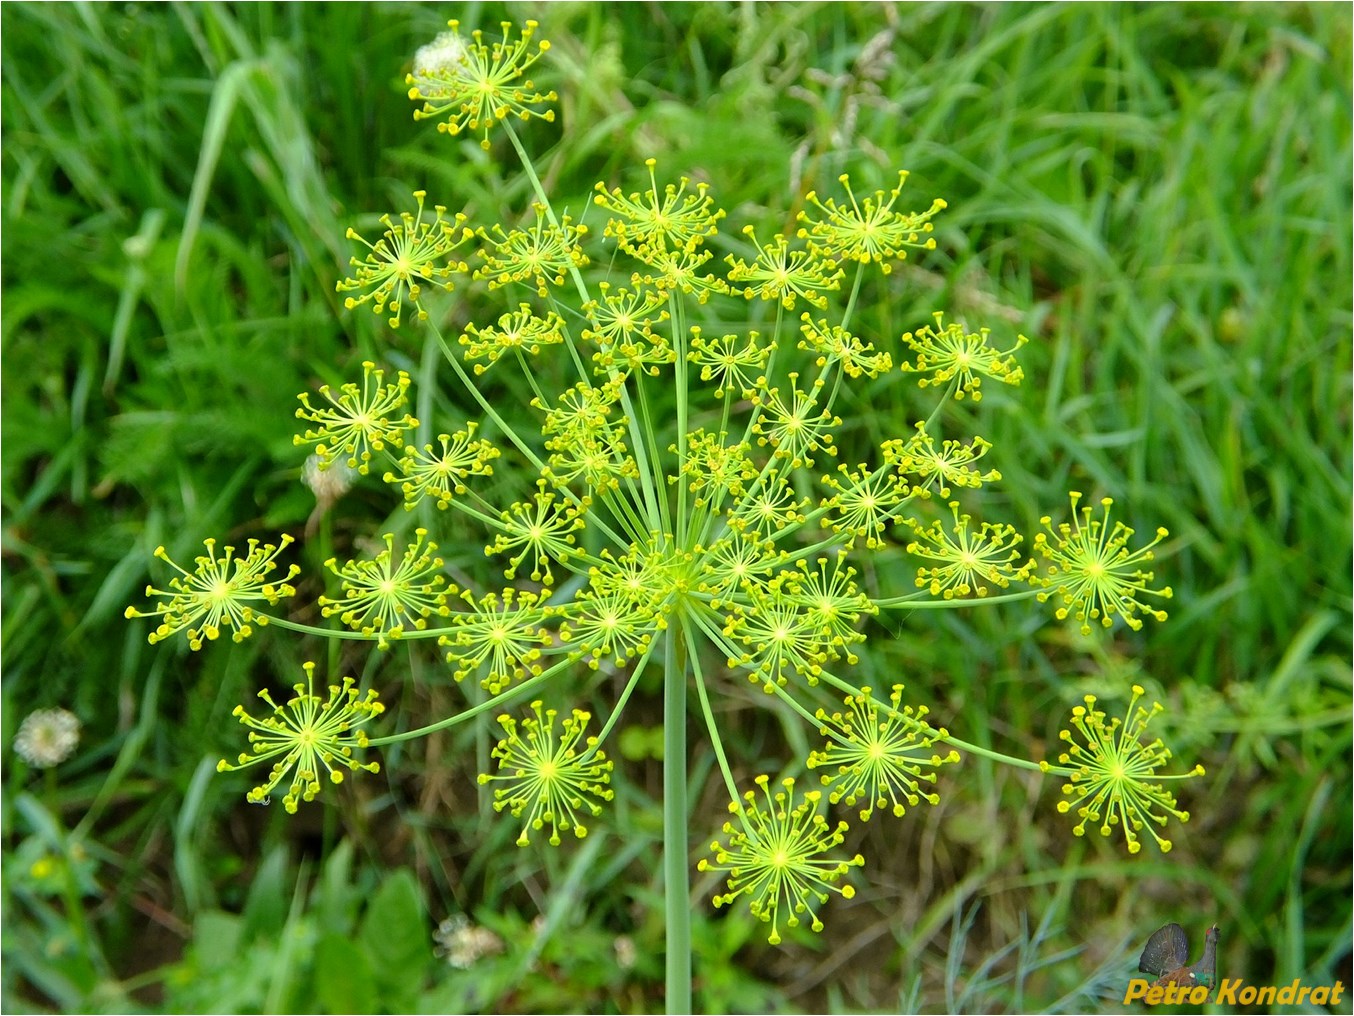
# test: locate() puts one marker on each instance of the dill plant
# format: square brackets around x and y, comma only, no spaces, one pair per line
[719,542]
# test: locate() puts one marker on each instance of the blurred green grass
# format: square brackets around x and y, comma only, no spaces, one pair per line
[1158,194]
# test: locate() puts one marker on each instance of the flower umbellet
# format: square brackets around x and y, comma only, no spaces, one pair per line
[221,592]
[1092,571]
[477,85]
[359,419]
[1112,773]
[779,854]
[549,779]
[688,509]
[308,736]
[866,230]
[410,254]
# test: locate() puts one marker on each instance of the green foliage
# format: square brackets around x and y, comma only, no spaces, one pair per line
[1158,194]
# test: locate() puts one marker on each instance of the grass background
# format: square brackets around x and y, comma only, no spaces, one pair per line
[1158,194]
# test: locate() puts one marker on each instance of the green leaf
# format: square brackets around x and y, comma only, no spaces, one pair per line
[265,911]
[344,979]
[216,938]
[395,937]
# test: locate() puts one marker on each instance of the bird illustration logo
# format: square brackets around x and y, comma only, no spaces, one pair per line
[1166,957]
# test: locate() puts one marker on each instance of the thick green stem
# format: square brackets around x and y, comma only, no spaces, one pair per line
[676,877]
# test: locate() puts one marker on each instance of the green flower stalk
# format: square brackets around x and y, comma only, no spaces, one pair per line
[307,736]
[1112,773]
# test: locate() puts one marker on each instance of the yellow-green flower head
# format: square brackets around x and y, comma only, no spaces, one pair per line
[835,344]
[770,510]
[1092,571]
[549,779]
[218,592]
[608,623]
[410,254]
[359,421]
[950,353]
[779,273]
[879,763]
[519,332]
[734,365]
[775,854]
[967,561]
[794,427]
[867,230]
[536,531]
[781,639]
[385,597]
[441,474]
[622,324]
[712,468]
[864,503]
[543,254]
[678,272]
[938,469]
[501,633]
[476,85]
[832,602]
[1112,773]
[307,736]
[652,224]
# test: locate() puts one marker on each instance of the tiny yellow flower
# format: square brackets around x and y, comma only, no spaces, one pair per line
[652,224]
[779,273]
[967,560]
[386,597]
[878,762]
[866,230]
[411,253]
[502,633]
[521,332]
[441,474]
[542,254]
[953,354]
[359,421]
